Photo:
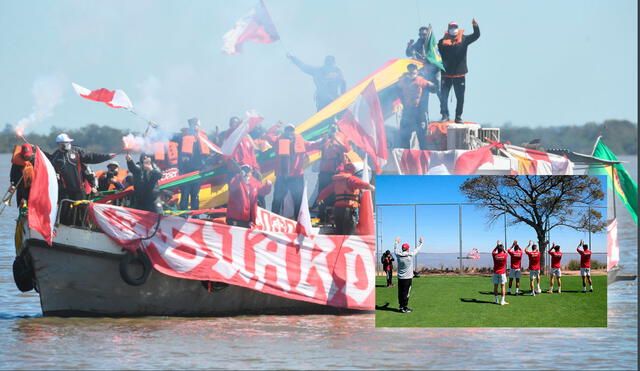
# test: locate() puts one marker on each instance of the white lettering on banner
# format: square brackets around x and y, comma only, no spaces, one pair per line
[182,239]
[277,259]
[213,241]
[307,262]
[359,249]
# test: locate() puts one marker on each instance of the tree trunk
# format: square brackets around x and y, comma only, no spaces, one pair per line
[542,246]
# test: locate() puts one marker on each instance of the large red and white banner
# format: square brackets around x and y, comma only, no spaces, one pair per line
[332,270]
[452,162]
[43,197]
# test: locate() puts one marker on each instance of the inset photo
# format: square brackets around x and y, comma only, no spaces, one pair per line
[491,251]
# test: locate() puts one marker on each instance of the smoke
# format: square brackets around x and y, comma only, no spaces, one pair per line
[48,92]
[137,143]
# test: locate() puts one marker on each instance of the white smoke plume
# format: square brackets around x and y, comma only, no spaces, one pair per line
[48,92]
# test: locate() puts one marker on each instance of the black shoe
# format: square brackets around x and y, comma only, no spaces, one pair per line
[444,118]
[403,310]
[408,310]
[459,120]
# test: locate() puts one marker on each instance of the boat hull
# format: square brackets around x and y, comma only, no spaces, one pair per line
[76,280]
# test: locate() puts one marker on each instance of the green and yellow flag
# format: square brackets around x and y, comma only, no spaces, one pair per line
[623,184]
[431,53]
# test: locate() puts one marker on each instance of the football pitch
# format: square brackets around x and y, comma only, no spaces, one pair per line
[467,301]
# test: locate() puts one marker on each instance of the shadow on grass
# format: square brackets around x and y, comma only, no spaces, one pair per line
[385,306]
[476,301]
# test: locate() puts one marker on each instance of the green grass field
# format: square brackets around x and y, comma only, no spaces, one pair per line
[445,301]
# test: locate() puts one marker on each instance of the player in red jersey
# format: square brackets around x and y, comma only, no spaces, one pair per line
[499,271]
[516,265]
[585,265]
[534,266]
[556,258]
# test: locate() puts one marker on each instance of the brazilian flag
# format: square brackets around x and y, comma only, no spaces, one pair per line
[623,184]
[431,52]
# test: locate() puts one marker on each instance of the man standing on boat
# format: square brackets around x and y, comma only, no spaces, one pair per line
[328,79]
[499,272]
[421,50]
[405,272]
[69,163]
[534,267]
[192,156]
[346,187]
[411,87]
[145,184]
[556,258]
[585,266]
[244,191]
[516,265]
[21,173]
[453,49]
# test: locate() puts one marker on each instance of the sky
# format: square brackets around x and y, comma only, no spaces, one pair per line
[537,63]
[439,224]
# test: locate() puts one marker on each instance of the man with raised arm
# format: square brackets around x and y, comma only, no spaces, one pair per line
[556,258]
[405,272]
[516,265]
[499,272]
[534,266]
[585,266]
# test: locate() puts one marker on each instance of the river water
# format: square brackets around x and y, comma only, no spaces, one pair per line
[28,340]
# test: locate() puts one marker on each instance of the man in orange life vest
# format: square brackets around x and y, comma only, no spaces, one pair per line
[411,88]
[244,190]
[346,186]
[112,179]
[291,151]
[453,50]
[334,146]
[21,173]
[192,156]
[244,153]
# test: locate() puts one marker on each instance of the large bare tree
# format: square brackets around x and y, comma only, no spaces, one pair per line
[542,202]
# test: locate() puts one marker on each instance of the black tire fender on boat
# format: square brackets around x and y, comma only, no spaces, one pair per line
[129,258]
[23,273]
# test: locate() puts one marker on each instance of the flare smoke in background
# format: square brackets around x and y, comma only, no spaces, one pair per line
[48,92]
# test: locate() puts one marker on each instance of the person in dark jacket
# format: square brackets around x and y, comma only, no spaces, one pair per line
[69,162]
[453,50]
[145,183]
[328,79]
[21,173]
[387,267]
[411,88]
[192,156]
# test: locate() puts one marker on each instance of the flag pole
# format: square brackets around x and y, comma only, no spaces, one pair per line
[150,123]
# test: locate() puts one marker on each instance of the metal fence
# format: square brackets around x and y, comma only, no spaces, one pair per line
[466,237]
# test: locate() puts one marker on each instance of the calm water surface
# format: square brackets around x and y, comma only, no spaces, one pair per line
[28,340]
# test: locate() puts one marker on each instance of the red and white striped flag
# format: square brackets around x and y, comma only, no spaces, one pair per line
[255,26]
[43,197]
[304,217]
[452,162]
[366,128]
[112,98]
[534,162]
[613,251]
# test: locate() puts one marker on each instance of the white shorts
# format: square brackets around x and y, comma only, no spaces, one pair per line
[556,272]
[499,279]
[585,272]
[534,273]
[514,273]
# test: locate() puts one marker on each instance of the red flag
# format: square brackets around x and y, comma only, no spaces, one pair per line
[112,98]
[255,26]
[43,198]
[366,129]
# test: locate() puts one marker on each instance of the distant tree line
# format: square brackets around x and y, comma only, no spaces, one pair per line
[619,135]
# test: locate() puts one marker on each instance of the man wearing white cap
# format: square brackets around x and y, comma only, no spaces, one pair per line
[69,163]
[453,50]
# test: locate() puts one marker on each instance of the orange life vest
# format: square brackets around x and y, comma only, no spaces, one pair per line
[284,145]
[122,174]
[189,140]
[27,170]
[345,195]
[172,153]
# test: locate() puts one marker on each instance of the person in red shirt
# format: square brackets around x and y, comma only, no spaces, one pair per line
[346,187]
[244,190]
[516,265]
[499,272]
[556,258]
[585,265]
[534,266]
